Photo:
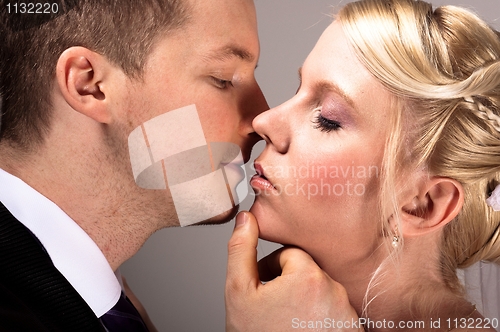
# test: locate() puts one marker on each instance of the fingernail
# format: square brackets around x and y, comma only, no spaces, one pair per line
[241,219]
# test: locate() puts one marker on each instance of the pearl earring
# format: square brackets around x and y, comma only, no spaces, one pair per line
[395,241]
[395,238]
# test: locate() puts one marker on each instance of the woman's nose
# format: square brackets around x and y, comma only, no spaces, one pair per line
[274,127]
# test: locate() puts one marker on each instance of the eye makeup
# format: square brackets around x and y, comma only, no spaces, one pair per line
[333,114]
[324,124]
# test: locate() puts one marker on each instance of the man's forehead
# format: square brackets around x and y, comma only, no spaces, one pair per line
[224,29]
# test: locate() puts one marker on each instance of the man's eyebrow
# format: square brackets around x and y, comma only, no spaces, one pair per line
[324,85]
[229,51]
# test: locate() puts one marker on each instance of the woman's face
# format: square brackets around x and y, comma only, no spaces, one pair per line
[322,162]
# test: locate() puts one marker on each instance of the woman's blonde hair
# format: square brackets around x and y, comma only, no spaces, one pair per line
[443,67]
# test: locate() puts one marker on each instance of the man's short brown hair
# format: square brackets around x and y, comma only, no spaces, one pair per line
[123,31]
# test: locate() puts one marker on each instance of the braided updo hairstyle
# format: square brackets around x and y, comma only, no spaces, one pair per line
[443,67]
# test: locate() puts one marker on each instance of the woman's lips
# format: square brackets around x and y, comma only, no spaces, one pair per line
[259,180]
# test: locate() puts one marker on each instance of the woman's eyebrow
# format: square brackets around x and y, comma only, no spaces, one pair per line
[324,85]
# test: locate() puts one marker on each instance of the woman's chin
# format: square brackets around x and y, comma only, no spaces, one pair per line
[267,222]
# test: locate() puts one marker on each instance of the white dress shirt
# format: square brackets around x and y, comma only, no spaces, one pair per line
[71,250]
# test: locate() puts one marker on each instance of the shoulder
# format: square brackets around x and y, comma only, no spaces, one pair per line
[15,314]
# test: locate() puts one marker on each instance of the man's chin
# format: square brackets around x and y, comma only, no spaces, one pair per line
[220,219]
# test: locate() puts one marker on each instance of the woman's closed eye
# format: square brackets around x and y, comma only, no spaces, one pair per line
[325,124]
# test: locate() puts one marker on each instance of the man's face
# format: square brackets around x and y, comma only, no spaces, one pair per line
[210,62]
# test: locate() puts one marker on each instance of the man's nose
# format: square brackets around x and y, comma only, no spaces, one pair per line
[256,103]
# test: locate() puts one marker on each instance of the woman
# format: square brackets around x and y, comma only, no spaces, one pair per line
[380,167]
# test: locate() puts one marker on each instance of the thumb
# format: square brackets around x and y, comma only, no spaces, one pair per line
[242,272]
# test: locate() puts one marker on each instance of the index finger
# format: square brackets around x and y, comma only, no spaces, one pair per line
[286,260]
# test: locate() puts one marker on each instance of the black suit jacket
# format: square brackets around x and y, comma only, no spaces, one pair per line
[34,295]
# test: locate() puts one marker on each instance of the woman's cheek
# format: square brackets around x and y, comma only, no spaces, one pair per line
[331,182]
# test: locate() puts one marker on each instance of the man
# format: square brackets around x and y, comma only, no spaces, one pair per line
[75,83]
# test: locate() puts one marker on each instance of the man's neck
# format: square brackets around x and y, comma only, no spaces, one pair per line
[94,196]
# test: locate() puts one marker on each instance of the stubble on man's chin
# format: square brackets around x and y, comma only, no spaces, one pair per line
[220,219]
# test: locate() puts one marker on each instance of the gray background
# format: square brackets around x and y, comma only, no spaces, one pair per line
[179,274]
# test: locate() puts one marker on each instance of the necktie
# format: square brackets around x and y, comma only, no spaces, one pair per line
[123,317]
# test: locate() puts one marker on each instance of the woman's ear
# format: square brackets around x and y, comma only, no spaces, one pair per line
[438,202]
[82,77]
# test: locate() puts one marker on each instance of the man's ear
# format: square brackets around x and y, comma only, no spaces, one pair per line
[81,76]
[438,202]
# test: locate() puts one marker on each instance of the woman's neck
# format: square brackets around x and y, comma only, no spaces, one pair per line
[406,288]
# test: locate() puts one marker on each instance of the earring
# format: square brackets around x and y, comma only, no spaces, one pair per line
[395,241]
[395,238]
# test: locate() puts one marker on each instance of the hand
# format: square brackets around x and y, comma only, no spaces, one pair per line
[300,293]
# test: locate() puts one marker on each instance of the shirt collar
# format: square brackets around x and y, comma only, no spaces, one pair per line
[70,248]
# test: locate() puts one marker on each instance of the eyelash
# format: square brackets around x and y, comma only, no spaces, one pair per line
[324,124]
[220,83]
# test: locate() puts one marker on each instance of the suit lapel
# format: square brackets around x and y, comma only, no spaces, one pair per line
[26,270]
